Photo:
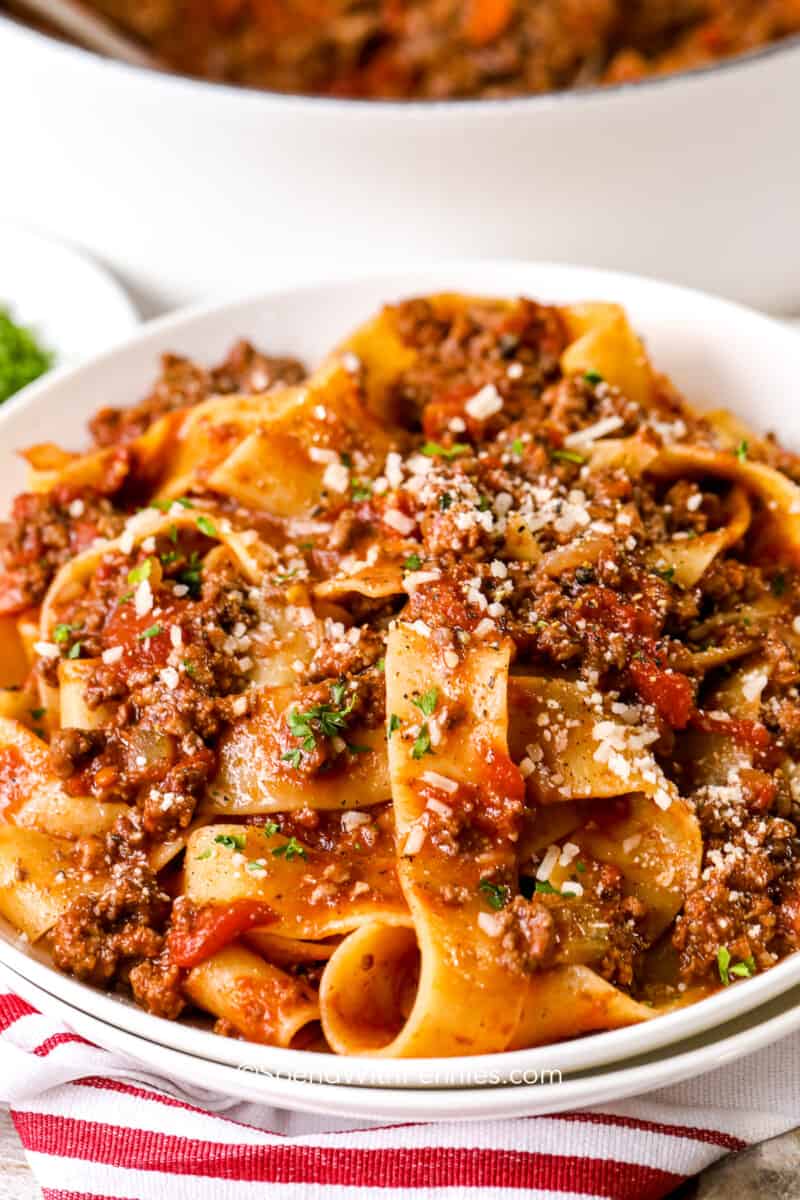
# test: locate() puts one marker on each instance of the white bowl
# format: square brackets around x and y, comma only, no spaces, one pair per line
[190,188]
[717,352]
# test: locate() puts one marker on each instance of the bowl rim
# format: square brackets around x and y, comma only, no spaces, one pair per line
[458,107]
[500,277]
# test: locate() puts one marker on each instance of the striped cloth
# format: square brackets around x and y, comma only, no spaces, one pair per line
[98,1126]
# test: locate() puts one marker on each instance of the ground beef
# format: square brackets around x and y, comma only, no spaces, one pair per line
[72,749]
[156,985]
[100,935]
[45,531]
[183,384]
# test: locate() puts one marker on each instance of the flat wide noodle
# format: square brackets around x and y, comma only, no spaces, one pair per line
[262,1002]
[468,999]
[32,796]
[39,879]
[226,863]
[569,1001]
[254,776]
[575,751]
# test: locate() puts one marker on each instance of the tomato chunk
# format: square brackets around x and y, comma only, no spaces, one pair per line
[214,927]
[670,692]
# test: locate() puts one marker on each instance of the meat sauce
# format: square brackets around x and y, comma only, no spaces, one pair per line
[390,49]
[170,637]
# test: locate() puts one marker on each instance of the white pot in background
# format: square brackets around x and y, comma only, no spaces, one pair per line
[189,188]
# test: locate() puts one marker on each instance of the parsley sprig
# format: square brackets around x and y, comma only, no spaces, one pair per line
[321,720]
[739,970]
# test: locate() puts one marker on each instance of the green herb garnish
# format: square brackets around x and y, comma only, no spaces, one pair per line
[141,571]
[422,744]
[740,970]
[445,500]
[289,850]
[517,447]
[61,633]
[741,450]
[231,841]
[271,828]
[426,703]
[496,894]
[545,888]
[394,724]
[593,377]
[22,359]
[207,526]
[151,632]
[412,563]
[191,575]
[321,720]
[435,449]
[75,650]
[570,456]
[360,490]
[205,854]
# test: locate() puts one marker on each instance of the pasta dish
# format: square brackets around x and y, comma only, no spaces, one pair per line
[421,49]
[441,701]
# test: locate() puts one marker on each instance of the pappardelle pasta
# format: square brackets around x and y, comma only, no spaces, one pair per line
[442,701]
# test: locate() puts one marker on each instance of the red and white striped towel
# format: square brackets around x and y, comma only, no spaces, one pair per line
[96,1126]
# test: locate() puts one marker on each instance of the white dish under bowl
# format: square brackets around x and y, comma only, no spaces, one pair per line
[527,1096]
[73,305]
[718,353]
[189,188]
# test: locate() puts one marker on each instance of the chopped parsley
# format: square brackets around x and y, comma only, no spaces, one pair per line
[271,828]
[38,713]
[289,850]
[192,574]
[166,505]
[189,668]
[231,841]
[741,450]
[293,757]
[570,456]
[545,888]
[496,894]
[141,571]
[516,447]
[394,724]
[593,377]
[445,500]
[61,633]
[668,573]
[360,490]
[435,449]
[75,650]
[207,526]
[426,703]
[22,359]
[412,563]
[740,970]
[321,720]
[151,632]
[422,743]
